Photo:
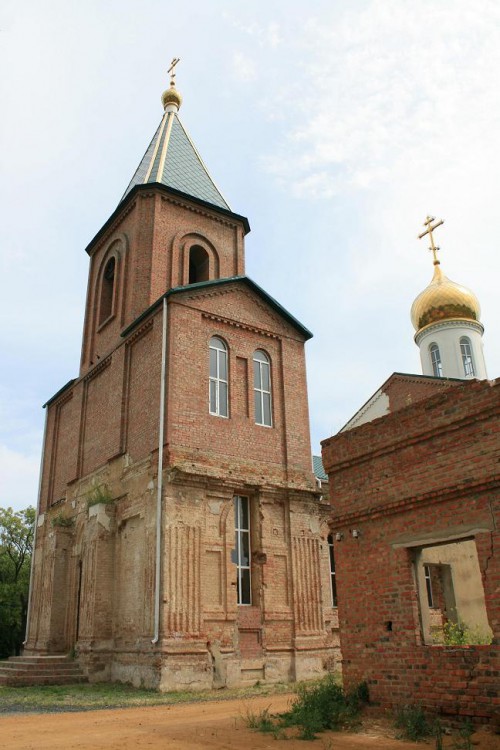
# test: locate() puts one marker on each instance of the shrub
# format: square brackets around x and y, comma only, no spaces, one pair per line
[317,707]
[459,634]
[412,722]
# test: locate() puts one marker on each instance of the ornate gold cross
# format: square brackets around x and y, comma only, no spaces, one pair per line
[430,228]
[171,70]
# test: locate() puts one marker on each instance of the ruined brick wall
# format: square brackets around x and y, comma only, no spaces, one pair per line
[422,476]
[403,390]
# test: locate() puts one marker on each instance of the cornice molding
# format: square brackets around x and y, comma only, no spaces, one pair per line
[433,497]
[63,400]
[105,237]
[98,369]
[237,324]
[401,443]
[217,292]
[198,210]
[450,323]
[140,332]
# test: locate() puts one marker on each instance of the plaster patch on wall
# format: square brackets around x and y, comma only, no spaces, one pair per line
[99,511]
[215,507]
[314,525]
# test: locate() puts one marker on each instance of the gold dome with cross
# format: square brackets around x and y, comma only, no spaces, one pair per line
[443,299]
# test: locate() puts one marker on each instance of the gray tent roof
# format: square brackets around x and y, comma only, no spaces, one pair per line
[171,159]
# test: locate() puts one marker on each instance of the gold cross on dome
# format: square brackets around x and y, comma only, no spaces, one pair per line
[430,228]
[171,70]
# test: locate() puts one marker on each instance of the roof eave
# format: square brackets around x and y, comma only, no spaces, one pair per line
[220,282]
[171,191]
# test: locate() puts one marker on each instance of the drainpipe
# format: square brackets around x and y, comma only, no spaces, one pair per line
[161,429]
[39,496]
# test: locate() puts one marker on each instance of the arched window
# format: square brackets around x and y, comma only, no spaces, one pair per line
[437,367]
[107,291]
[467,361]
[218,386]
[262,388]
[333,580]
[199,266]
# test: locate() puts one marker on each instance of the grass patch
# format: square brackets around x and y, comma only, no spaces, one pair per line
[464,739]
[266,723]
[412,723]
[317,707]
[57,698]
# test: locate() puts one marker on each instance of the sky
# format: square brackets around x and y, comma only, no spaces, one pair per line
[336,127]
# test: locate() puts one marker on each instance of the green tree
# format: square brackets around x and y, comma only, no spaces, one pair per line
[16,546]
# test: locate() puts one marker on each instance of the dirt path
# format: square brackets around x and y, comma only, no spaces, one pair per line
[183,727]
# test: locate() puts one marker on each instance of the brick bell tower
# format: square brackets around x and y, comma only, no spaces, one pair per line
[181,535]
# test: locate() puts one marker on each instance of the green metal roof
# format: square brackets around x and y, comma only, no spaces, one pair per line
[171,159]
[318,469]
[220,282]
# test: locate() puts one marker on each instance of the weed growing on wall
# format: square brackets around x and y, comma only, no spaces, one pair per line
[100,493]
[459,634]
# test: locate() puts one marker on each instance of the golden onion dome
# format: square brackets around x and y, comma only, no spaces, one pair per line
[444,300]
[171,96]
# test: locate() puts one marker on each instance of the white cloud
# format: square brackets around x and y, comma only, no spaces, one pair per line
[336,126]
[399,86]
[244,67]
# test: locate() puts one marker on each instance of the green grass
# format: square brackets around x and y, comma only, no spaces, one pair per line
[51,698]
[318,706]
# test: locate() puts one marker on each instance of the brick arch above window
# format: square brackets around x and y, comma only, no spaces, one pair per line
[194,258]
[108,283]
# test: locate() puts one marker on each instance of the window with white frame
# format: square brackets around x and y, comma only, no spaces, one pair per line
[428,586]
[467,361]
[218,386]
[262,388]
[333,579]
[437,366]
[242,549]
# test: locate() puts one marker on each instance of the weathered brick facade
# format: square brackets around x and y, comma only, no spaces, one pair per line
[419,479]
[95,566]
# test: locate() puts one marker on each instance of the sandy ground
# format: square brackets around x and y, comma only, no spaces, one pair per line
[184,727]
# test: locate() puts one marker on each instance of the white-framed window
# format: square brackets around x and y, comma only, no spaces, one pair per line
[242,549]
[262,388]
[333,579]
[467,361]
[428,586]
[218,381]
[437,366]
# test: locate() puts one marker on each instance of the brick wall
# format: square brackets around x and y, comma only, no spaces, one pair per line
[425,474]
[150,239]
[103,430]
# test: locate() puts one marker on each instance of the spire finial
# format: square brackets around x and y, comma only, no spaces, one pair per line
[171,98]
[171,71]
[430,228]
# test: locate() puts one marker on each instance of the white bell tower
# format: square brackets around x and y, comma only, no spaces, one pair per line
[446,319]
